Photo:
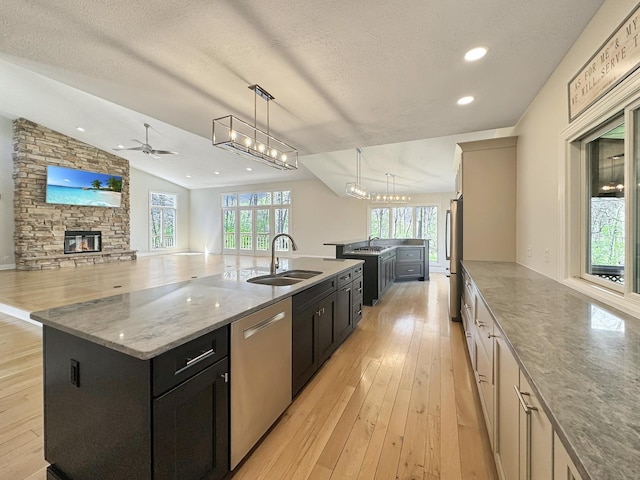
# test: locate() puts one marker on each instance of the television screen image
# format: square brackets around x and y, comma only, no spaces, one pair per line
[79,187]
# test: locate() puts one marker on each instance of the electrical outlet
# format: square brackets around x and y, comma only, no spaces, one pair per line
[6,257]
[529,251]
[546,255]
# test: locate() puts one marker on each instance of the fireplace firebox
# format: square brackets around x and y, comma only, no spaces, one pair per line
[77,241]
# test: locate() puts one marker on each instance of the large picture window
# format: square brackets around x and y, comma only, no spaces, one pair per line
[249,221]
[406,222]
[162,220]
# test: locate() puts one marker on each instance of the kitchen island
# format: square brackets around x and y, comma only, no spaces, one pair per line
[581,361]
[131,379]
[386,261]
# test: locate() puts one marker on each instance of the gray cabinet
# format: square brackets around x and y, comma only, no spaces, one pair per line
[412,262]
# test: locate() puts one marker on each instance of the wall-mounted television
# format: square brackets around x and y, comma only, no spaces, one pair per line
[80,187]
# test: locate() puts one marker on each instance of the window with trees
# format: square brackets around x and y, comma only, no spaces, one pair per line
[406,222]
[249,221]
[162,214]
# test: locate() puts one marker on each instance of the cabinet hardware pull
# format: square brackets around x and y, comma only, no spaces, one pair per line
[409,270]
[249,332]
[323,310]
[193,361]
[360,312]
[348,289]
[525,407]
[225,375]
[491,335]
[318,312]
[345,277]
[360,290]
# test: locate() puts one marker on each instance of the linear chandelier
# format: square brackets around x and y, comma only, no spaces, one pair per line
[389,197]
[356,189]
[234,135]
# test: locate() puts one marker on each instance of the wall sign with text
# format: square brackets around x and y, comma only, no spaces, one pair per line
[616,59]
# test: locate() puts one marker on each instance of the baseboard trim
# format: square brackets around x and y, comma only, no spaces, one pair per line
[8,266]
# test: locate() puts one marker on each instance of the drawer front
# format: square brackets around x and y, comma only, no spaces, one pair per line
[357,286]
[357,271]
[357,310]
[484,322]
[345,278]
[181,363]
[409,270]
[410,253]
[310,296]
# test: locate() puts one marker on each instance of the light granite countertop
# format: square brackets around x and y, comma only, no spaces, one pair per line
[583,359]
[149,322]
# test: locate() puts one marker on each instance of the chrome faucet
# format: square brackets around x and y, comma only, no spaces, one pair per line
[371,237]
[274,262]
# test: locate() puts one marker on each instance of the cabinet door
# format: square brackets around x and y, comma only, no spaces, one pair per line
[325,316]
[563,467]
[304,349]
[484,379]
[507,413]
[343,320]
[536,437]
[191,427]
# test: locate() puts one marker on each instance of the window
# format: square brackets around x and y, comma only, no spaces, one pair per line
[249,221]
[406,222]
[162,214]
[604,212]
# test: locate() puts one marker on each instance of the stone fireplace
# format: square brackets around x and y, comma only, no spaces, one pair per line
[46,234]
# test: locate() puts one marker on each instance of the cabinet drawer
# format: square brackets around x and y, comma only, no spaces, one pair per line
[345,278]
[484,377]
[357,287]
[409,270]
[410,253]
[305,299]
[177,365]
[357,271]
[357,310]
[484,324]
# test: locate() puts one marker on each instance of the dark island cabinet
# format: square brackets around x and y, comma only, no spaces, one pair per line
[323,317]
[161,419]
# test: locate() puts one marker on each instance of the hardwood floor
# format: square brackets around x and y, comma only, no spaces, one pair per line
[396,400]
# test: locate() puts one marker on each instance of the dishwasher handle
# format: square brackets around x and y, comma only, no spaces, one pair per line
[251,331]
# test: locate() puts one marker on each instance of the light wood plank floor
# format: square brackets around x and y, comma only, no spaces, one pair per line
[395,401]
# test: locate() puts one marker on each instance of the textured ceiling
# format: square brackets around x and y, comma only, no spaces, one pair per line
[344,73]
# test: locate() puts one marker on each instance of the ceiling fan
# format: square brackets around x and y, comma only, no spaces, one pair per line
[146,148]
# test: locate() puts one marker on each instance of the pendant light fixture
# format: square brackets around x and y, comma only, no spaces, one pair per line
[355,189]
[390,197]
[234,135]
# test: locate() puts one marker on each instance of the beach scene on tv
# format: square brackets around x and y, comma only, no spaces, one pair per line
[79,187]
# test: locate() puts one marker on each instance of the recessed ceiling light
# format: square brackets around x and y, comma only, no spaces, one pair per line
[119,146]
[188,176]
[216,173]
[80,129]
[475,54]
[465,100]
[249,169]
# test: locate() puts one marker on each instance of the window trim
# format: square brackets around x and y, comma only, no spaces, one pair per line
[413,206]
[272,207]
[623,98]
[175,208]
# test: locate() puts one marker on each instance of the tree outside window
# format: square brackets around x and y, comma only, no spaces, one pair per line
[162,214]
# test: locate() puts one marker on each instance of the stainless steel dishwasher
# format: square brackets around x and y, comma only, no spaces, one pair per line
[260,375]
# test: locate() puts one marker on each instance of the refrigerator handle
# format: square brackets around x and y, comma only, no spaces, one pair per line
[447,236]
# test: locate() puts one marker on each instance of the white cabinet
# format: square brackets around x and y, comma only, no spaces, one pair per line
[507,412]
[487,179]
[563,467]
[483,346]
[536,436]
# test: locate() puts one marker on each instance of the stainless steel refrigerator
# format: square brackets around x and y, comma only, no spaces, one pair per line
[453,247]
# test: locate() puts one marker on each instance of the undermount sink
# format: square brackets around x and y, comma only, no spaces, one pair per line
[372,248]
[289,277]
[274,280]
[299,273]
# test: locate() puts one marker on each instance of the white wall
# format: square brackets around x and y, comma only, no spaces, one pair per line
[318,215]
[141,184]
[7,258]
[540,156]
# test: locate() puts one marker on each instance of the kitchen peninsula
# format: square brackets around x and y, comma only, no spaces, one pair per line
[137,385]
[386,261]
